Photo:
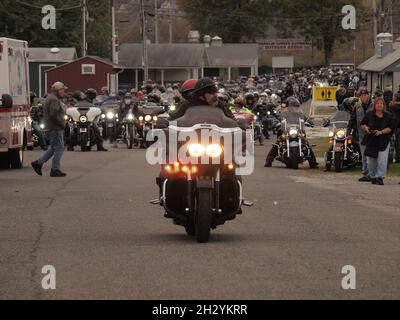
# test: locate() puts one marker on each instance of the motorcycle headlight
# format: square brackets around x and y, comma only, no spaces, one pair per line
[110,115]
[172,108]
[103,116]
[331,134]
[196,150]
[293,133]
[155,118]
[269,113]
[131,117]
[83,119]
[214,150]
[341,134]
[147,118]
[66,118]
[255,117]
[42,126]
[141,118]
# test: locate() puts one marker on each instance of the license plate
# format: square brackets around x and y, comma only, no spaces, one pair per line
[110,125]
[82,130]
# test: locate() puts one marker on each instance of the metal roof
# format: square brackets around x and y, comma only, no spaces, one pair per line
[105,61]
[232,55]
[375,64]
[190,55]
[162,55]
[45,54]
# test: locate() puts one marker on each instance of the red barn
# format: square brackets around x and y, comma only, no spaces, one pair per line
[84,73]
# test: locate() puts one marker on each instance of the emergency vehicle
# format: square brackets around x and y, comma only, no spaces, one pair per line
[15,120]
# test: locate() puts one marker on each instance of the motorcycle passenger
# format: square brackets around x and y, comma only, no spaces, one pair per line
[186,91]
[88,102]
[293,105]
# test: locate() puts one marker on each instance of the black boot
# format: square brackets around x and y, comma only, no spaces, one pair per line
[37,167]
[57,174]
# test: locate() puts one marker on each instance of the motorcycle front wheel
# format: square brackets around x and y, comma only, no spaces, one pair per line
[204,216]
[339,162]
[294,158]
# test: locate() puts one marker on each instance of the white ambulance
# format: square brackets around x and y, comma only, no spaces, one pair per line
[15,121]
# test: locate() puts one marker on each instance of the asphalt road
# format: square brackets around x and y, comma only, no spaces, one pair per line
[106,241]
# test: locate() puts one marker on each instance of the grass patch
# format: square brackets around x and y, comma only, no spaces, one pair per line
[322,146]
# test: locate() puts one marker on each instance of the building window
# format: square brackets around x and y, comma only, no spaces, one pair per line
[88,69]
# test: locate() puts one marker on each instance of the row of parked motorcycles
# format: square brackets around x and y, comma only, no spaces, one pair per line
[114,120]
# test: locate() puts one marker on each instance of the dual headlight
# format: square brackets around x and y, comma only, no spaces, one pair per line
[198,150]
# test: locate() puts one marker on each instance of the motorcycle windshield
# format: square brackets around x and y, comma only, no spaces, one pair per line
[340,120]
[293,119]
[206,115]
[151,109]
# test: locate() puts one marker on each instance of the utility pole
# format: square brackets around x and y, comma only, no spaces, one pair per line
[144,33]
[375,14]
[84,17]
[170,21]
[114,34]
[156,20]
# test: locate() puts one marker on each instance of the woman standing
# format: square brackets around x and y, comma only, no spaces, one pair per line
[379,126]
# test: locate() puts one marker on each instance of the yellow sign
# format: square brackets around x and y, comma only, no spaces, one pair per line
[325,93]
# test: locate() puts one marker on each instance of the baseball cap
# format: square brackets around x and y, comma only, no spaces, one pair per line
[58,86]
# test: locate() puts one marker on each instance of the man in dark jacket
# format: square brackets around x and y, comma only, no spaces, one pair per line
[54,118]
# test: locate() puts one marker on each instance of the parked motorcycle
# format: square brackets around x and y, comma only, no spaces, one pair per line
[196,195]
[293,147]
[39,138]
[343,152]
[80,125]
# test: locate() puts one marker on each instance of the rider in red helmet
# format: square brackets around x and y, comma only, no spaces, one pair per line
[186,92]
[187,88]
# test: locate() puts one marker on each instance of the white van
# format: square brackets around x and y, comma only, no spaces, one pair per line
[15,121]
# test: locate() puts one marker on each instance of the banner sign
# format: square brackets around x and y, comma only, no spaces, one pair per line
[285,44]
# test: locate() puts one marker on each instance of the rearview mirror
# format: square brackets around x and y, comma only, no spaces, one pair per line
[6,101]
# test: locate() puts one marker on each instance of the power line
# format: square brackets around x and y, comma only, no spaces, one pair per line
[40,8]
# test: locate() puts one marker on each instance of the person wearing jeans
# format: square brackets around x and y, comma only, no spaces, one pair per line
[54,118]
[378,166]
[378,126]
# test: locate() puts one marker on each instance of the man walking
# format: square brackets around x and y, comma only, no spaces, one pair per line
[54,118]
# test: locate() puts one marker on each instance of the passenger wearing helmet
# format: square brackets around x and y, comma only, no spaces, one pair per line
[293,105]
[88,102]
[182,105]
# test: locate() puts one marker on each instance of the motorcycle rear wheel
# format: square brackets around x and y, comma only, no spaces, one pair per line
[204,216]
[190,226]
